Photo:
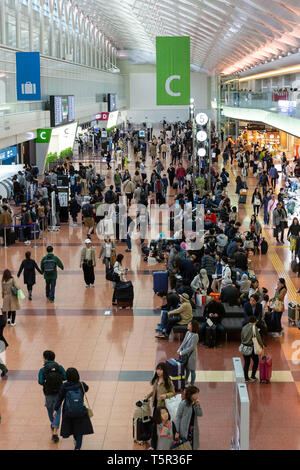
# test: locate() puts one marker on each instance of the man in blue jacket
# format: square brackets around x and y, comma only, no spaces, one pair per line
[51,377]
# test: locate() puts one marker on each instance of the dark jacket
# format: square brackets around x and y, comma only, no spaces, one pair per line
[248,311]
[208,263]
[73,426]
[187,269]
[41,378]
[29,266]
[241,260]
[58,263]
[214,307]
[230,295]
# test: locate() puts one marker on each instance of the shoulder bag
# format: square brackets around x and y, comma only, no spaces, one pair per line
[245,350]
[89,409]
[257,347]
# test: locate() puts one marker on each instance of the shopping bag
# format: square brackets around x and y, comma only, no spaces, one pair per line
[21,295]
[172,405]
[200,300]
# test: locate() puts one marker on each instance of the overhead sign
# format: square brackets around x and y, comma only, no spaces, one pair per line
[28,76]
[8,155]
[173,70]
[102,116]
[43,136]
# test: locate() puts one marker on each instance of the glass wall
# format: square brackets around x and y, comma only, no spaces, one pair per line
[60,32]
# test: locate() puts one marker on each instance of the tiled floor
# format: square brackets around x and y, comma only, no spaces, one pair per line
[117,353]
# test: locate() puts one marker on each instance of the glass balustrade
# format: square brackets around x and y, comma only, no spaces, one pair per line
[284,103]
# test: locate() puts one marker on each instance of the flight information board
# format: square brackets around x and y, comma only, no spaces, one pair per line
[62,110]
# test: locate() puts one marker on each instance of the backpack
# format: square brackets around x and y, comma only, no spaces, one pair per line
[109,197]
[49,266]
[112,276]
[87,211]
[52,379]
[74,404]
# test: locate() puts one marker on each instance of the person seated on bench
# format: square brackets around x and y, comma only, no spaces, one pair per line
[184,312]
[215,311]
[230,295]
[172,302]
[244,285]
[200,283]
[186,289]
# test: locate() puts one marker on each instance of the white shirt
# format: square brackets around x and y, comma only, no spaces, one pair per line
[107,250]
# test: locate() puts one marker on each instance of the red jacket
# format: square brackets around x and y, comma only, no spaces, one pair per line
[180,172]
[211,218]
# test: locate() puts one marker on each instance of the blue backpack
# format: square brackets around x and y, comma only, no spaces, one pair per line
[74,404]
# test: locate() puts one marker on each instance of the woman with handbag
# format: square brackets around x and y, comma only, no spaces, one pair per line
[29,266]
[75,416]
[293,233]
[108,253]
[251,346]
[188,351]
[88,262]
[186,421]
[162,386]
[10,297]
[120,275]
[277,306]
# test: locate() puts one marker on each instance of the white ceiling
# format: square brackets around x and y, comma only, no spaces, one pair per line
[226,35]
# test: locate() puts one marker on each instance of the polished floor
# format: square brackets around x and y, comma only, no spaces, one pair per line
[116,352]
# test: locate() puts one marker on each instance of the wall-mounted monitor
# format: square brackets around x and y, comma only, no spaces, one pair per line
[112,102]
[62,110]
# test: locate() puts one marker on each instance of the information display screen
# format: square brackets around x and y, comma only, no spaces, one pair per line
[62,110]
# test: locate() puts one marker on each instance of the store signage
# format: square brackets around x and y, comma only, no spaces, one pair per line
[102,116]
[43,136]
[28,76]
[173,70]
[280,95]
[8,155]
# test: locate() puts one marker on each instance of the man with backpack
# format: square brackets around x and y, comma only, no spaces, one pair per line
[49,268]
[88,217]
[51,377]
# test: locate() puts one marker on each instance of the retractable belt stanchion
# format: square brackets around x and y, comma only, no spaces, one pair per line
[5,245]
[34,235]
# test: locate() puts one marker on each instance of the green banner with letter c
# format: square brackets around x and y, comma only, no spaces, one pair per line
[172,70]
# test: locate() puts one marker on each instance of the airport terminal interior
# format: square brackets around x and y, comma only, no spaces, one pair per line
[150,164]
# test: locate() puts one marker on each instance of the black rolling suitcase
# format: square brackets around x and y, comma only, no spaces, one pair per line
[242,198]
[124,294]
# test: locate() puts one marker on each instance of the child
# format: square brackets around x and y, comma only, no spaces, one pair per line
[233,215]
[163,430]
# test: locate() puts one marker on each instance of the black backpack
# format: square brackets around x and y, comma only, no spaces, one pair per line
[87,211]
[264,247]
[49,266]
[52,378]
[112,276]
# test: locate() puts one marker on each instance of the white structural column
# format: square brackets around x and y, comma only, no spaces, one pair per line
[42,26]
[30,15]
[2,19]
[61,31]
[52,30]
[103,52]
[18,24]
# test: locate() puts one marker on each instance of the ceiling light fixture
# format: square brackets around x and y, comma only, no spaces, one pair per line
[272,73]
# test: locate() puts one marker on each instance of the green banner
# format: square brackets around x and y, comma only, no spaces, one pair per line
[173,70]
[43,136]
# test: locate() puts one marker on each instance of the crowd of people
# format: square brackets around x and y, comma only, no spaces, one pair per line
[212,275]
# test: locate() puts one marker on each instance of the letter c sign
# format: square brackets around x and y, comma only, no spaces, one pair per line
[168,83]
[43,135]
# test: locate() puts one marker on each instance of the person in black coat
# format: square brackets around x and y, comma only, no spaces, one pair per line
[230,295]
[252,308]
[77,427]
[29,266]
